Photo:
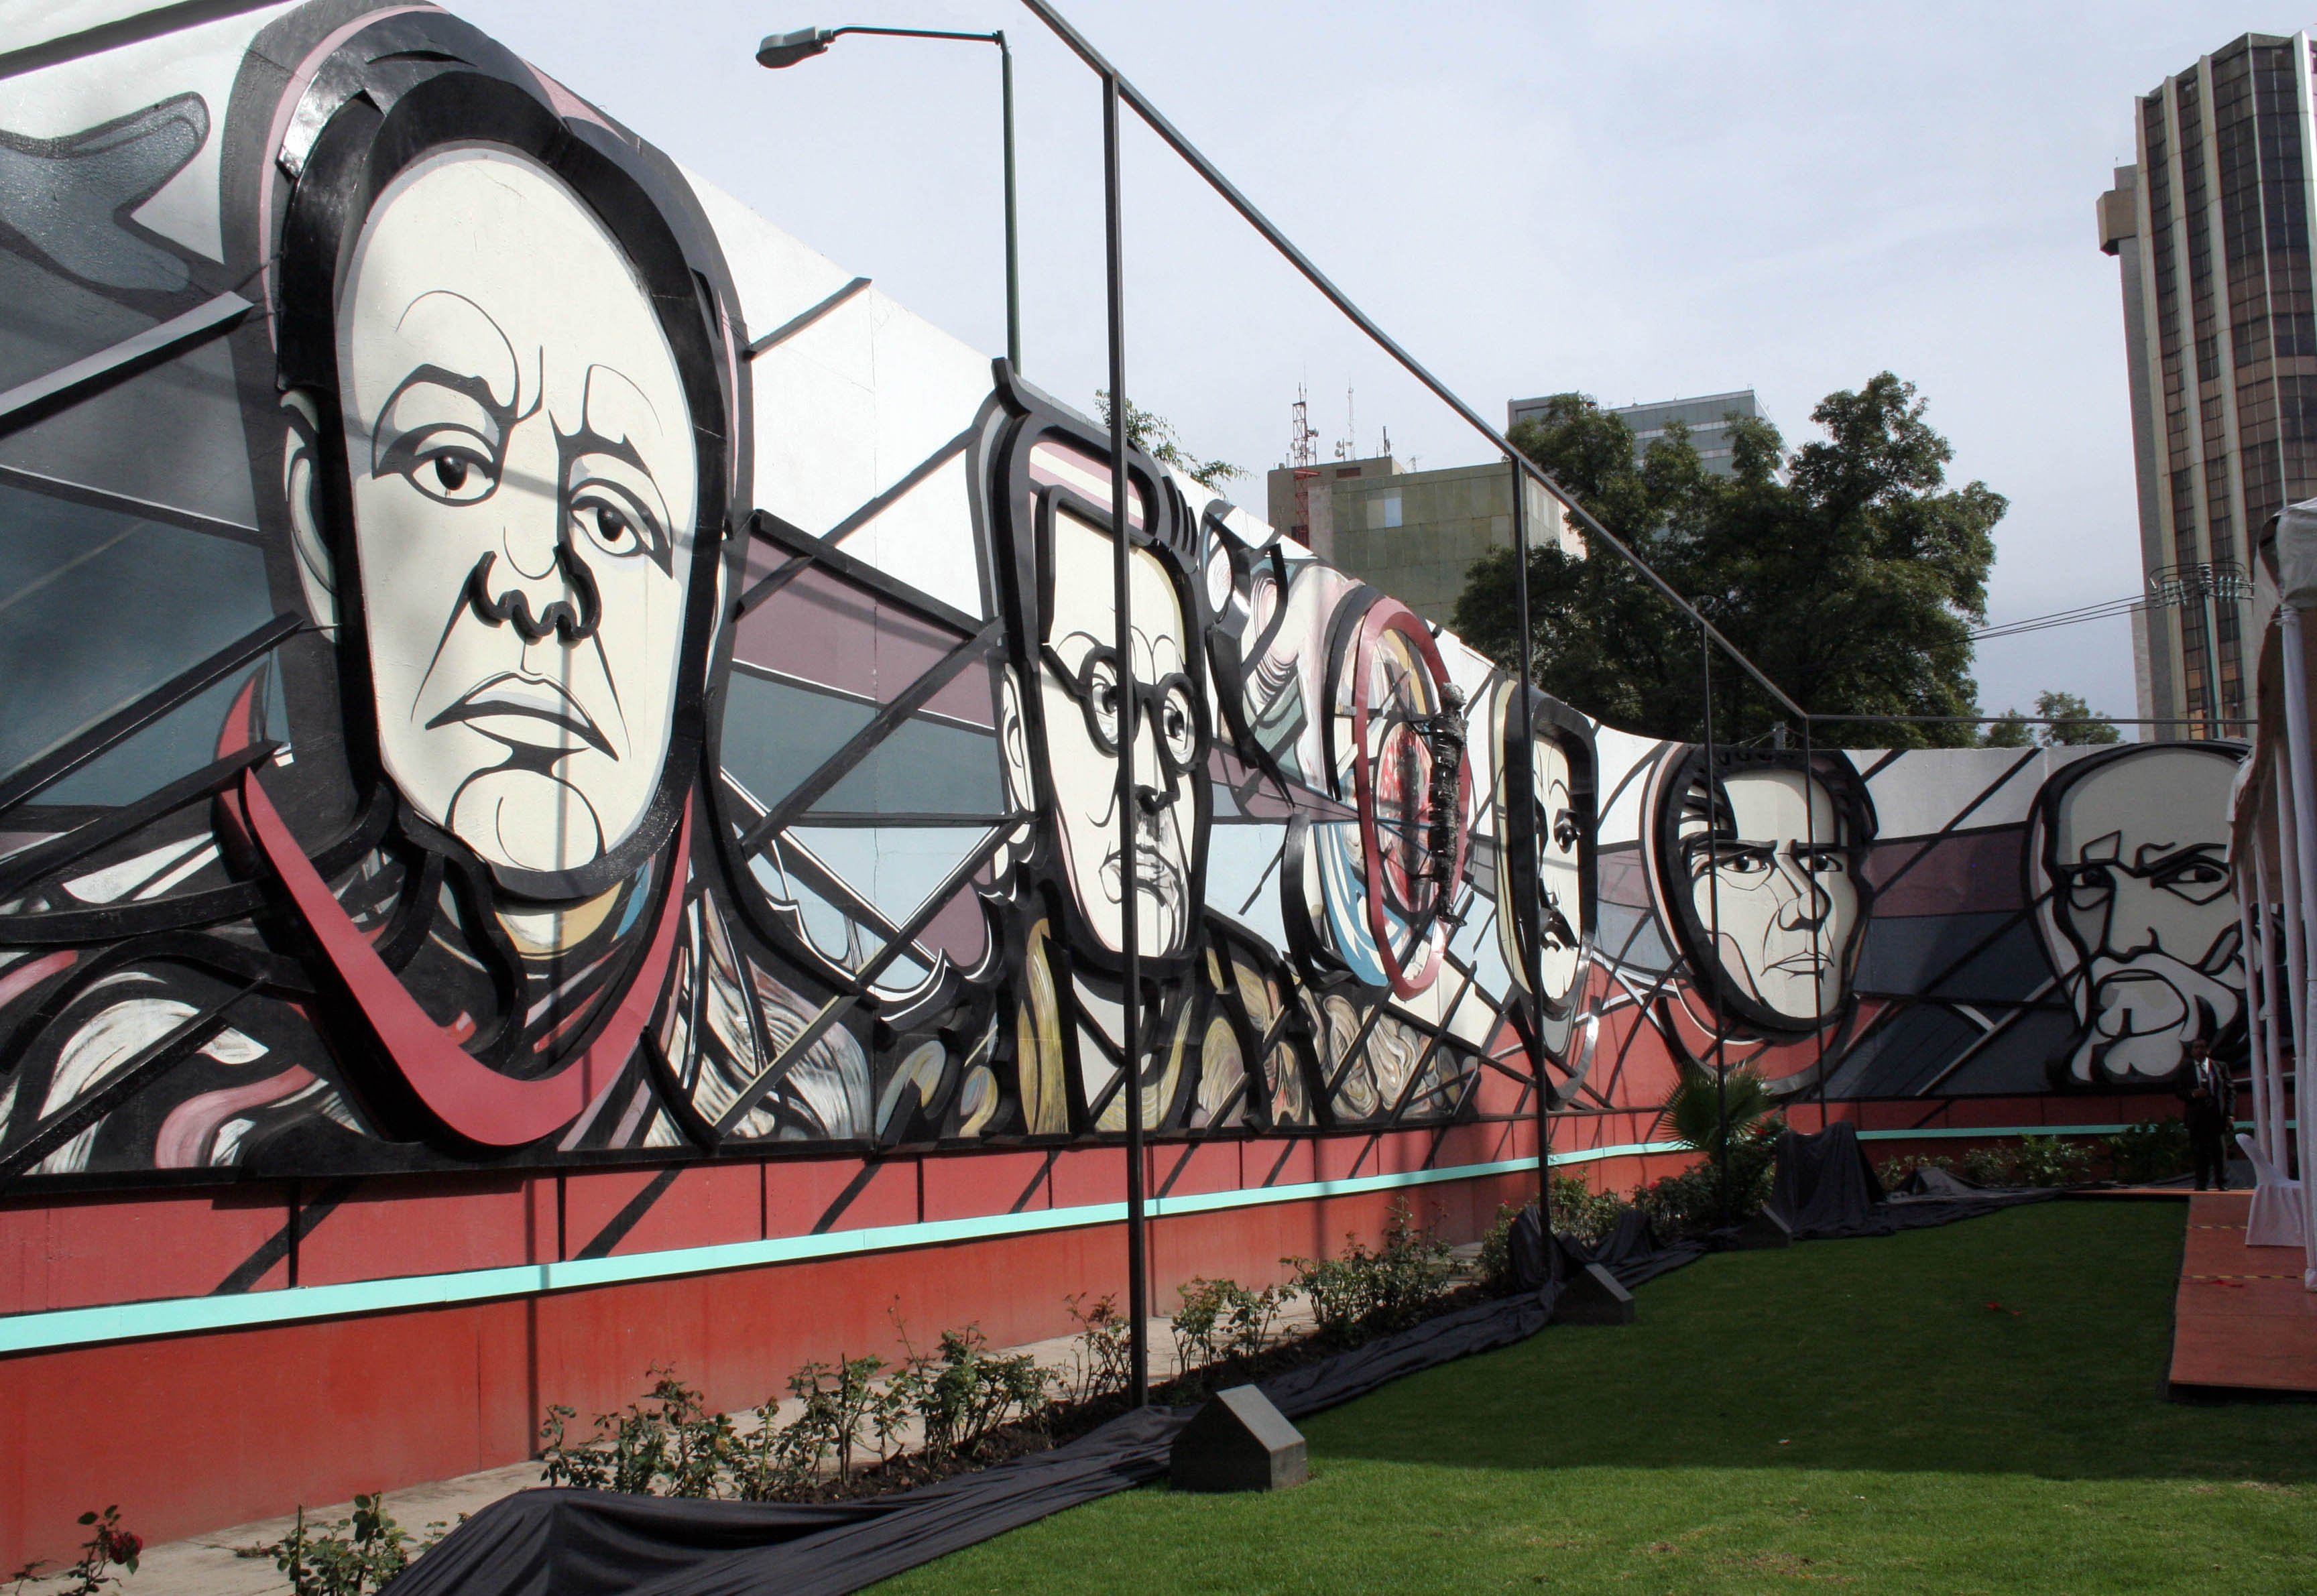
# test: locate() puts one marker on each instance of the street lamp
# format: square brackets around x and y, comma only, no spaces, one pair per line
[786,49]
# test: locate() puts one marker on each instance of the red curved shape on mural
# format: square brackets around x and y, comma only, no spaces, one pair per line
[1390,615]
[469,1096]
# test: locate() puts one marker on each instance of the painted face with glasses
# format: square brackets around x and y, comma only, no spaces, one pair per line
[1088,729]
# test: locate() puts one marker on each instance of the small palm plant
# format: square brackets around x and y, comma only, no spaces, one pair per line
[1702,1113]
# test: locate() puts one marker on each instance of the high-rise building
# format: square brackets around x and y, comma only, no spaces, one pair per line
[1707,417]
[2210,230]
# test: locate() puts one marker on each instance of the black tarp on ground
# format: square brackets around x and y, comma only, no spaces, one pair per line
[1824,1189]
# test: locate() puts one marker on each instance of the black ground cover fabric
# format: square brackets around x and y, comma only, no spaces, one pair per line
[602,1543]
[1824,1189]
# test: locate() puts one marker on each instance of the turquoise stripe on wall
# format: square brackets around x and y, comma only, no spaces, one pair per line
[179,1316]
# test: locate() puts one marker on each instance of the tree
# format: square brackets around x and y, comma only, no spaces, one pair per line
[2069,723]
[1853,581]
[1156,436]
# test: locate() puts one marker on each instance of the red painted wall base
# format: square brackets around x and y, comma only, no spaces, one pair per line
[196,1433]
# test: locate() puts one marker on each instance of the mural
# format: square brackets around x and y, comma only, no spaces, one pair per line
[513,661]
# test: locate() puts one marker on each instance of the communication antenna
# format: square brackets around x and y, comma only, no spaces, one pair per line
[1350,426]
[1385,450]
[1304,461]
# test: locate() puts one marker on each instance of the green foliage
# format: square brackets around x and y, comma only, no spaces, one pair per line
[107,1546]
[2030,1160]
[2071,723]
[1854,582]
[965,1391]
[1104,1355]
[2153,1150]
[1703,1109]
[1690,1203]
[1221,1322]
[1361,1292]
[1581,1213]
[667,1442]
[1156,436]
[1894,1172]
[350,1555]
[1492,1268]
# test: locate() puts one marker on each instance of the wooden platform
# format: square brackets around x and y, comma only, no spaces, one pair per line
[2243,1326]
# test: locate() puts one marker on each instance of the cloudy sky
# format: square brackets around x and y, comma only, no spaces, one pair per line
[1637,200]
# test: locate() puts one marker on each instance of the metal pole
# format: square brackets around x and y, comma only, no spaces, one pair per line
[1520,792]
[1129,800]
[1713,925]
[1818,921]
[1013,238]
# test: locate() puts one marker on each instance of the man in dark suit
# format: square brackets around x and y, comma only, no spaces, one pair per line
[2210,1112]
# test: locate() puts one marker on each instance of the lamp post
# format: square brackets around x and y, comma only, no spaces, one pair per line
[786,49]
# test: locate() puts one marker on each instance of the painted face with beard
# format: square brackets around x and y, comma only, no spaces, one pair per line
[1087,727]
[2140,920]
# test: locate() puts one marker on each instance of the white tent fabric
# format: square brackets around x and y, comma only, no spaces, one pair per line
[2274,823]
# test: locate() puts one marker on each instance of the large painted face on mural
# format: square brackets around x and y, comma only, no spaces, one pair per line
[1760,856]
[1556,869]
[2129,862]
[524,480]
[1092,724]
[1068,724]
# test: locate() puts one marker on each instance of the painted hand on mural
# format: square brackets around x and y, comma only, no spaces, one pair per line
[2129,861]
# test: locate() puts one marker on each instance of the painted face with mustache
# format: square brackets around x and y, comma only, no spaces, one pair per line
[525,480]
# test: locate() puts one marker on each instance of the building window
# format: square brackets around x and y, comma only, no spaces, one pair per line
[1383,512]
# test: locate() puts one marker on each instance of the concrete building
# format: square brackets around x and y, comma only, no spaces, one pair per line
[2210,228]
[1707,417]
[1414,534]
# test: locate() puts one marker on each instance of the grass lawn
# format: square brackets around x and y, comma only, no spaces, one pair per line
[1851,1413]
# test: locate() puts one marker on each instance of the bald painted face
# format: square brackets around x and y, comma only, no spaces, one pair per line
[525,481]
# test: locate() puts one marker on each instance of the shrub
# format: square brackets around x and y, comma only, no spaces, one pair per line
[2153,1150]
[1222,1322]
[1493,1269]
[1582,1214]
[350,1555]
[1364,1290]
[667,1437]
[1104,1355]
[2030,1160]
[965,1391]
[107,1547]
[1689,1203]
[1894,1172]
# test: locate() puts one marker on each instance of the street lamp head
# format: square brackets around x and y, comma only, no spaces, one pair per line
[786,49]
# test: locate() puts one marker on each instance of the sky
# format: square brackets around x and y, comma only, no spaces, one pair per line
[1635,201]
